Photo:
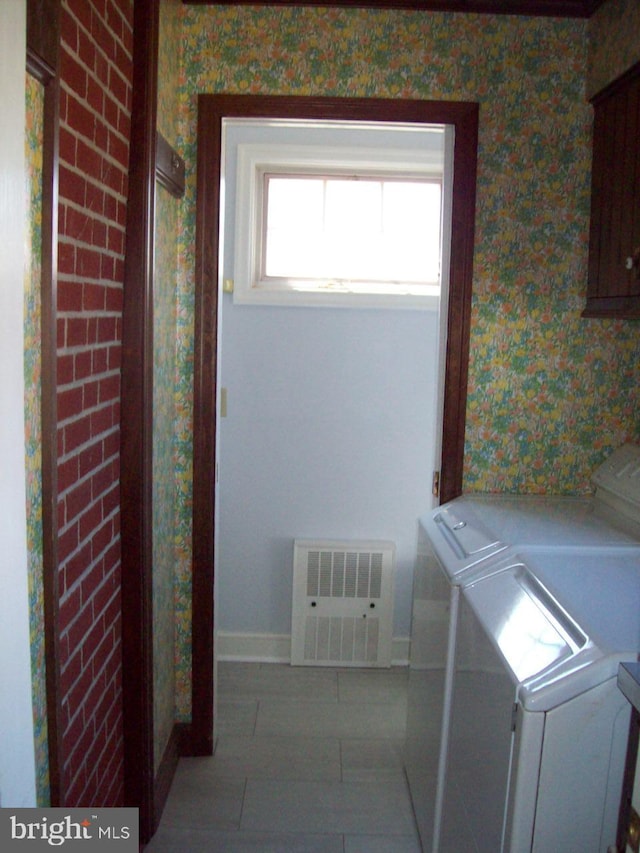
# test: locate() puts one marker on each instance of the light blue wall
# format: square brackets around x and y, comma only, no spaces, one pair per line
[328,434]
[330,425]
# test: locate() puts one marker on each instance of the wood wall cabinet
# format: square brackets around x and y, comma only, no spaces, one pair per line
[614,247]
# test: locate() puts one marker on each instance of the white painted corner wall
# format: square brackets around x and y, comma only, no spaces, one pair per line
[17,760]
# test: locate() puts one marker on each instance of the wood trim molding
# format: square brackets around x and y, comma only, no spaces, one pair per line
[170,169]
[211,110]
[43,31]
[136,427]
[167,768]
[549,8]
[459,309]
[43,63]
[204,425]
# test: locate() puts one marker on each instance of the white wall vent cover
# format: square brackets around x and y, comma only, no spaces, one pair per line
[342,613]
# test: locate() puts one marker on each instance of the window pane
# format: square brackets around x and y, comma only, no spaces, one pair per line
[295,203]
[353,229]
[294,219]
[353,206]
[412,230]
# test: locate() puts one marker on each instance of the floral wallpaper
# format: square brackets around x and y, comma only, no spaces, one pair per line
[164,488]
[550,394]
[171,509]
[170,84]
[169,59]
[32,410]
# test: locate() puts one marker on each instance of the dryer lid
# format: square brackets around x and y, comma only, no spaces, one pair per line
[561,620]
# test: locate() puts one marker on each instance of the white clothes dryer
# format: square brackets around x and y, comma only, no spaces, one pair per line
[539,727]
[457,543]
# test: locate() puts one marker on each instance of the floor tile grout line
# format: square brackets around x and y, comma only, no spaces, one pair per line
[259,698]
[242,804]
[255,719]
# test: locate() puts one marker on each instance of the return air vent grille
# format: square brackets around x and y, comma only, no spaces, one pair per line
[342,603]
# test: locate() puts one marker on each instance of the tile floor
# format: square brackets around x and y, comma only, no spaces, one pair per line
[307,760]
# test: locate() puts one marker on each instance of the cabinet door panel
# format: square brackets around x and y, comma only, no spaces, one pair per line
[635,201]
[600,204]
[614,244]
[629,230]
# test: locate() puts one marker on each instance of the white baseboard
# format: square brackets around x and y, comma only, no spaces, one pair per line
[276,648]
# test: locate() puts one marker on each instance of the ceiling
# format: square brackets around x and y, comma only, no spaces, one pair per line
[553,8]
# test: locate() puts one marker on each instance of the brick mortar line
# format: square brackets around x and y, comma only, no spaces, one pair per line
[90,411]
[109,371]
[113,514]
[79,384]
[86,279]
[78,349]
[96,184]
[78,582]
[82,705]
[72,93]
[92,771]
[86,445]
[98,47]
[107,26]
[79,243]
[105,463]
[64,457]
[85,313]
[61,497]
[111,162]
[85,103]
[99,282]
[75,278]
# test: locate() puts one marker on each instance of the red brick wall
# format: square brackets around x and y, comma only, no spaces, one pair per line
[95,110]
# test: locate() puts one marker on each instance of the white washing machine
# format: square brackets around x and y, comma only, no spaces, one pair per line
[539,727]
[458,542]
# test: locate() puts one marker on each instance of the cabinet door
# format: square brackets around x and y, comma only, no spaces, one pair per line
[614,248]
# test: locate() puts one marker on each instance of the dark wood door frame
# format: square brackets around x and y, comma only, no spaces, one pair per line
[136,427]
[211,111]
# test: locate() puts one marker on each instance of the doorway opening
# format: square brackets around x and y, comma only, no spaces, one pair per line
[330,371]
[213,110]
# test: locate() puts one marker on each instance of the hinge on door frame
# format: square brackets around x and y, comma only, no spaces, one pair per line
[435,484]
[514,716]
[633,831]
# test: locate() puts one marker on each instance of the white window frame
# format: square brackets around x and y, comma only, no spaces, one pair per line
[253,160]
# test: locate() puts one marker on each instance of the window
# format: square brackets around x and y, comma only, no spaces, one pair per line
[340,224]
[358,233]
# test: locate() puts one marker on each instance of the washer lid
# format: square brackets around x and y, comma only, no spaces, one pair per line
[549,520]
[459,538]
